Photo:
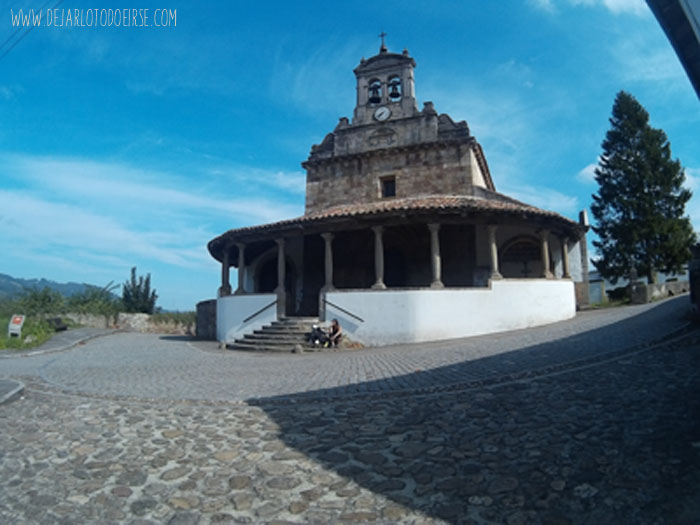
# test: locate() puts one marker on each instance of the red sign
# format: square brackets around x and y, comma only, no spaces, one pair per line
[18,319]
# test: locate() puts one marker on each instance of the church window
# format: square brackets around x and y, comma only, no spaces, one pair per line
[395,89]
[375,91]
[388,185]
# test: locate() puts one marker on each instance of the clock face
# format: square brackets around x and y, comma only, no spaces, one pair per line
[382,113]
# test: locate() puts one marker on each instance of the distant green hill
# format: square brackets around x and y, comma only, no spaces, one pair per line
[12,286]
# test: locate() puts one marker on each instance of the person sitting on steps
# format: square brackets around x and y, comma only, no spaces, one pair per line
[336,332]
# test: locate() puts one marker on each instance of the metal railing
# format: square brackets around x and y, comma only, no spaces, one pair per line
[260,311]
[325,301]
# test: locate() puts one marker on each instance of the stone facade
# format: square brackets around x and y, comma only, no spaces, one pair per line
[449,167]
[206,320]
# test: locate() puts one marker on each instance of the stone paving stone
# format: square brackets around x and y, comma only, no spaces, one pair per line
[132,365]
[616,441]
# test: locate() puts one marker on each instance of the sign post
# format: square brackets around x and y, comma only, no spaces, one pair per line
[14,329]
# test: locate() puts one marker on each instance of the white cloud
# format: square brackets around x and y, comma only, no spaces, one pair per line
[544,198]
[635,7]
[692,178]
[639,58]
[692,182]
[587,174]
[38,223]
[104,185]
[514,129]
[545,5]
[87,217]
[319,80]
[294,182]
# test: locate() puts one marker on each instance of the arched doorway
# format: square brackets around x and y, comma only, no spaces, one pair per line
[521,258]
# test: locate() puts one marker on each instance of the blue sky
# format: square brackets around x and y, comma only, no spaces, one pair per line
[134,146]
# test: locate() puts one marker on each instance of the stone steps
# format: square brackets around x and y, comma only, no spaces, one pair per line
[279,336]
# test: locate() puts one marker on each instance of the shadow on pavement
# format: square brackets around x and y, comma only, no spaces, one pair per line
[613,443]
[178,338]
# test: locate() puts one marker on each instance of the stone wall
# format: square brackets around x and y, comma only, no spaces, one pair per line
[131,322]
[440,168]
[645,293]
[206,320]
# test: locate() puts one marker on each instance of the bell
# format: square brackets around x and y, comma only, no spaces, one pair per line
[395,90]
[374,97]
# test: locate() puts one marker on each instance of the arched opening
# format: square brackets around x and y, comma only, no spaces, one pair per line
[394,88]
[375,91]
[521,257]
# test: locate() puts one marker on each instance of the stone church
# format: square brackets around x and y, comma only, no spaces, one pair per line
[404,237]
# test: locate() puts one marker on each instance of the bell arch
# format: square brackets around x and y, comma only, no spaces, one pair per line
[395,88]
[375,91]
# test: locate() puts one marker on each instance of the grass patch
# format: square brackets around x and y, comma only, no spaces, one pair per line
[611,304]
[34,332]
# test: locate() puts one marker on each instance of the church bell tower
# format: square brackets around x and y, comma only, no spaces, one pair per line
[391,150]
[385,87]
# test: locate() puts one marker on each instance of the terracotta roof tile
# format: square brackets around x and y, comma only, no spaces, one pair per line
[494,202]
[441,202]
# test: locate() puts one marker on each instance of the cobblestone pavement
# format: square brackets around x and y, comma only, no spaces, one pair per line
[609,433]
[170,367]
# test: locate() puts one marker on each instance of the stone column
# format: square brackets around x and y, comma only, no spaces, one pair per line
[225,270]
[435,261]
[544,238]
[328,260]
[241,269]
[281,294]
[565,257]
[493,250]
[280,266]
[583,293]
[378,257]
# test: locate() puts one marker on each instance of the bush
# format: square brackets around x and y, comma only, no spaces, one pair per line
[621,293]
[95,300]
[36,302]
[137,295]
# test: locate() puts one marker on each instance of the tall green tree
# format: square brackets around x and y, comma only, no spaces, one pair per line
[137,295]
[639,207]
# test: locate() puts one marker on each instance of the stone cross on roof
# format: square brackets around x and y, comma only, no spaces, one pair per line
[383,48]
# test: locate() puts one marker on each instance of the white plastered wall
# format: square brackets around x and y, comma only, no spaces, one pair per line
[406,316]
[232,310]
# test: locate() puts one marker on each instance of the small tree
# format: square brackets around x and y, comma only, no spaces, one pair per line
[137,295]
[639,207]
[36,302]
[94,300]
